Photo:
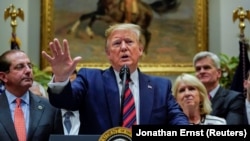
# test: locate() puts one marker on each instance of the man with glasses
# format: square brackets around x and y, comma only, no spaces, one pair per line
[39,118]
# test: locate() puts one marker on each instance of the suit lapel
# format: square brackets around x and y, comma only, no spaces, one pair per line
[59,118]
[6,119]
[217,100]
[112,95]
[113,98]
[218,94]
[36,111]
[146,98]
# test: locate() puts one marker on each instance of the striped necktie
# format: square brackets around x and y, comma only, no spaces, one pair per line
[129,113]
[19,121]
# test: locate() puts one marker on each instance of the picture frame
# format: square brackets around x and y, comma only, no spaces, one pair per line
[195,40]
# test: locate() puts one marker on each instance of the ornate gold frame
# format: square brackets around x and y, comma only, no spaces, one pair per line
[150,68]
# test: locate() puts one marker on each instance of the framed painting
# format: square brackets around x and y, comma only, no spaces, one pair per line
[177,33]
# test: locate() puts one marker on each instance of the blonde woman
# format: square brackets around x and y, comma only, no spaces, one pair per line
[192,96]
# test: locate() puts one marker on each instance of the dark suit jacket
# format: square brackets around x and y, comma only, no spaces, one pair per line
[43,120]
[245,117]
[229,105]
[97,94]
[245,114]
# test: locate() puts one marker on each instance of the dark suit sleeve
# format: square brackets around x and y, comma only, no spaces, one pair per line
[69,98]
[58,127]
[73,94]
[236,108]
[175,115]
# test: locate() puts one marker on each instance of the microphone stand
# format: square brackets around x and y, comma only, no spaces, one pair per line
[124,74]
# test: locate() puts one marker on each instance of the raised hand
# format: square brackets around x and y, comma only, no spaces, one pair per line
[61,62]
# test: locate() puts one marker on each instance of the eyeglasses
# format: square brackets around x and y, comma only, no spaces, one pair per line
[20,67]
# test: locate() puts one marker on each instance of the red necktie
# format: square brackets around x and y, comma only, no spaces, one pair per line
[209,96]
[129,113]
[19,121]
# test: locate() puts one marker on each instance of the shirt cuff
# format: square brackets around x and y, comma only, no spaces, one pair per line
[57,87]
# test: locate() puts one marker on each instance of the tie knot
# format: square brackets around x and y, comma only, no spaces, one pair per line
[68,114]
[128,80]
[18,101]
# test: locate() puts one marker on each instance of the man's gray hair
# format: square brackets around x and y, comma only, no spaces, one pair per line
[204,54]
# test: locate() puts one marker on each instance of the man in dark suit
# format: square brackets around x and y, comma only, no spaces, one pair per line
[97,93]
[226,103]
[40,117]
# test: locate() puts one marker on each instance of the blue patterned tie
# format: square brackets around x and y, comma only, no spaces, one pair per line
[67,122]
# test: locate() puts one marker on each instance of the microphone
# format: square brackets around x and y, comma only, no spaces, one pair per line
[124,75]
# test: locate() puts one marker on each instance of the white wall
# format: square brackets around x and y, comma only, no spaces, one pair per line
[223,32]
[28,31]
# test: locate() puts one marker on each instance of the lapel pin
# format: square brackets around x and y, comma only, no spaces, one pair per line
[40,107]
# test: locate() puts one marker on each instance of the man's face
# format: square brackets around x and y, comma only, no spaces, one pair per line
[124,48]
[20,75]
[206,71]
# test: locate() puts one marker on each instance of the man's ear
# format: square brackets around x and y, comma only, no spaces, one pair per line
[245,84]
[3,77]
[107,52]
[141,49]
[219,72]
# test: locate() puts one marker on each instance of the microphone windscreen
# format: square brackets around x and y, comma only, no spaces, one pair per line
[124,70]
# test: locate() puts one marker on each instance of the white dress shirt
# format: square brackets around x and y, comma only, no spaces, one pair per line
[247,103]
[213,92]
